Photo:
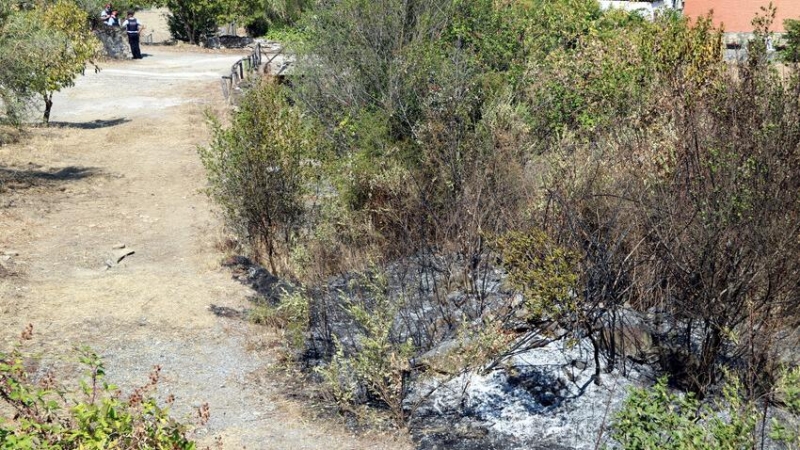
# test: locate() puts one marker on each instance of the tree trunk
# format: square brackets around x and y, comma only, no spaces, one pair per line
[271,255]
[48,105]
[596,354]
[612,342]
[710,350]
[190,31]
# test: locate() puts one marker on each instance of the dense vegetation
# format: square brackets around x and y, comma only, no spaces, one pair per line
[610,166]
[623,179]
[193,20]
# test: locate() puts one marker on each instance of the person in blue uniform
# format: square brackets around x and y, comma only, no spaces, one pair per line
[134,29]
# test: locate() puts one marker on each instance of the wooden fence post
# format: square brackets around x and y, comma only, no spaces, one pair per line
[253,62]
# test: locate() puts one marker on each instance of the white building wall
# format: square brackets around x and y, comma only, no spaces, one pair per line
[647,9]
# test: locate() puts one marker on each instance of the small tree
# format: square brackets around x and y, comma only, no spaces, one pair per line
[255,168]
[578,286]
[260,15]
[48,46]
[191,20]
[77,48]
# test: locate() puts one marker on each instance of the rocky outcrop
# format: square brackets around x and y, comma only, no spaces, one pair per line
[115,42]
[267,286]
[228,41]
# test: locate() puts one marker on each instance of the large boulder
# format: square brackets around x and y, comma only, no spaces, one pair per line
[115,42]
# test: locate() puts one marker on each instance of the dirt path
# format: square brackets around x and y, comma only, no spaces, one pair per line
[121,168]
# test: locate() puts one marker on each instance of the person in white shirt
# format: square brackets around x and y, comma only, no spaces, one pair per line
[113,20]
[105,13]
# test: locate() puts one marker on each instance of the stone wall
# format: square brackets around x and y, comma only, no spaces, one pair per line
[228,41]
[115,42]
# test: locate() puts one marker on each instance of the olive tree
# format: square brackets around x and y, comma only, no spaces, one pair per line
[44,48]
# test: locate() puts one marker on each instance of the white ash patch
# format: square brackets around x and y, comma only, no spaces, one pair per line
[543,398]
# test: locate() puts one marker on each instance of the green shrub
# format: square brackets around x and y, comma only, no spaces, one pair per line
[44,415]
[291,315]
[544,272]
[380,364]
[792,51]
[192,20]
[261,16]
[258,167]
[494,32]
[655,418]
[787,393]
[561,285]
[611,77]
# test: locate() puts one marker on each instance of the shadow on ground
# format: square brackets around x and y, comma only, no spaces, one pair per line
[93,125]
[12,178]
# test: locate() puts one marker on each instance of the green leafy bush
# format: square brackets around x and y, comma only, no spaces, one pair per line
[191,20]
[263,15]
[792,51]
[258,169]
[787,393]
[291,315]
[544,272]
[380,364]
[40,414]
[655,418]
[494,32]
